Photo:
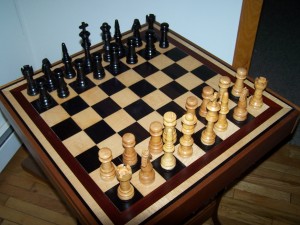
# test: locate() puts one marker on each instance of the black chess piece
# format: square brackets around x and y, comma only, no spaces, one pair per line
[136,33]
[131,57]
[80,69]
[62,88]
[164,29]
[27,72]
[118,39]
[49,77]
[114,65]
[150,19]
[44,99]
[98,70]
[150,50]
[69,70]
[86,44]
[106,37]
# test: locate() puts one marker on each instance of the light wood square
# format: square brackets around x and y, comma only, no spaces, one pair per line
[159,79]
[124,97]
[55,115]
[86,118]
[78,143]
[197,153]
[156,99]
[146,189]
[189,63]
[114,142]
[147,120]
[119,120]
[256,112]
[62,100]
[214,82]
[189,81]
[107,77]
[232,128]
[93,95]
[129,77]
[161,61]
[102,184]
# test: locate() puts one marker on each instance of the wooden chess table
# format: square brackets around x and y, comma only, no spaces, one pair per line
[65,138]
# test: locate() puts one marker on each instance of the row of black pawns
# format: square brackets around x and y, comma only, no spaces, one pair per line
[112,52]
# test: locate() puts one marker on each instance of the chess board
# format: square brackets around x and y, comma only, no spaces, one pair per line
[73,129]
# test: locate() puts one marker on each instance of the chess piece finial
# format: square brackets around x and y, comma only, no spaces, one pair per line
[240,111]
[241,75]
[129,154]
[107,169]
[207,93]
[185,148]
[256,100]
[191,104]
[155,143]
[208,136]
[146,174]
[125,190]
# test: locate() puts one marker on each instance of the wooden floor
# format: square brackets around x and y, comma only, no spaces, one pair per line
[270,194]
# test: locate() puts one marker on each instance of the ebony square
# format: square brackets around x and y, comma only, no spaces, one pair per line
[173,90]
[106,107]
[112,86]
[173,107]
[89,84]
[37,105]
[123,68]
[142,88]
[138,109]
[175,54]
[89,159]
[74,105]
[139,132]
[206,148]
[120,204]
[99,131]
[118,160]
[145,69]
[204,73]
[66,129]
[174,71]
[167,174]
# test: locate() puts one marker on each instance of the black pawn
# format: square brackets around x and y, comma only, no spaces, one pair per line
[150,19]
[98,70]
[164,29]
[62,88]
[49,77]
[86,44]
[150,50]
[131,57]
[136,33]
[118,39]
[69,70]
[80,69]
[44,99]
[114,65]
[27,72]
[106,37]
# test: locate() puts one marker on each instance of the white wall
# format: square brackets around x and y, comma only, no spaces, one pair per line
[33,29]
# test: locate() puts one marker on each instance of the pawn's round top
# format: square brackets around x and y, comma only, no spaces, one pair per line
[224,81]
[191,102]
[123,172]
[261,83]
[207,91]
[105,154]
[128,140]
[170,119]
[189,119]
[156,128]
[241,73]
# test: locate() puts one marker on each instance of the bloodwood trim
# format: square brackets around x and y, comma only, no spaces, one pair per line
[249,20]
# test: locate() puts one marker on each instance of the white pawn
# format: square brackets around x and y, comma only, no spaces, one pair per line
[168,161]
[107,169]
[124,174]
[146,174]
